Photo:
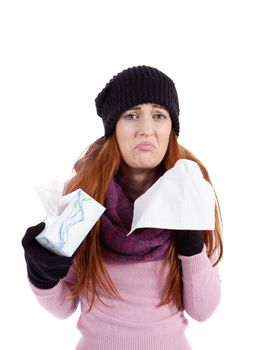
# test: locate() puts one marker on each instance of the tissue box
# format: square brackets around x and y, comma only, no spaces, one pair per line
[65,232]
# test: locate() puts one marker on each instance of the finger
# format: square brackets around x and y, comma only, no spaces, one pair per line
[57,262]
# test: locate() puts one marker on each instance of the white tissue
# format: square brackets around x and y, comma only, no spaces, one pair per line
[180,199]
[69,218]
[50,194]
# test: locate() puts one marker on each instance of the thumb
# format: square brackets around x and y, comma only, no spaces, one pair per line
[32,232]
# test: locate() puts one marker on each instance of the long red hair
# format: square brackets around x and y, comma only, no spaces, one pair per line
[93,172]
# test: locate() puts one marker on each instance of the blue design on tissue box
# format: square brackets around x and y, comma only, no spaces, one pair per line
[76,215]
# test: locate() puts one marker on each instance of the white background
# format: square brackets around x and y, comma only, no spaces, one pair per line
[55,58]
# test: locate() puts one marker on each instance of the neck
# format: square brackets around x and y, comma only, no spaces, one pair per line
[139,180]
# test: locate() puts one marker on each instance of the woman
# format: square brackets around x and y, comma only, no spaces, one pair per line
[134,290]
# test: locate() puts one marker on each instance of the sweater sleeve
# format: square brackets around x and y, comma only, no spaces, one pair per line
[201,285]
[56,300]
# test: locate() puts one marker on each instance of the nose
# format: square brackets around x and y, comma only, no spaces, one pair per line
[146,126]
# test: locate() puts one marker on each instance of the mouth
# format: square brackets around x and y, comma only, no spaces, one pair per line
[145,146]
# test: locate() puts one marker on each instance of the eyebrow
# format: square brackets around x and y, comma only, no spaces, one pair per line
[154,105]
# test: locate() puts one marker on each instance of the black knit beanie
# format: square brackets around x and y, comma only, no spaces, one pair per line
[133,86]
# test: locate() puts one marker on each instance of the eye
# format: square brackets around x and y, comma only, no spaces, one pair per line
[160,116]
[130,116]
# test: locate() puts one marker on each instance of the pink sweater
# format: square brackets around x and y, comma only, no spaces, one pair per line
[134,323]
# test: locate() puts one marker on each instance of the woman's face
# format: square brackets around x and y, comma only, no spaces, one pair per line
[142,134]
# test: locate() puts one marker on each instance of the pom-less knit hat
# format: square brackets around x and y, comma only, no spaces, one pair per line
[133,86]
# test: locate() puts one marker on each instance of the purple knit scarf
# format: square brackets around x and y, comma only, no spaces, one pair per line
[146,244]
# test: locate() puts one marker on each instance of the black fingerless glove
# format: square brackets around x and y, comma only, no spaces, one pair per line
[44,268]
[188,242]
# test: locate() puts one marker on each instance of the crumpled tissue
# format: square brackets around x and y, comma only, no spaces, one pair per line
[181,199]
[69,218]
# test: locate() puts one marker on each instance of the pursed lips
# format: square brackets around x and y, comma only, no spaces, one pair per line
[145,145]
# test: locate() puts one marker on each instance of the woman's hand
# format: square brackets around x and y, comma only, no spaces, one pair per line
[44,268]
[188,242]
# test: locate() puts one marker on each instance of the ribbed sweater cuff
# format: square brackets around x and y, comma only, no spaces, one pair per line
[40,291]
[195,263]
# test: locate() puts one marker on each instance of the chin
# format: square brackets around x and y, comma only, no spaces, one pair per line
[145,165]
